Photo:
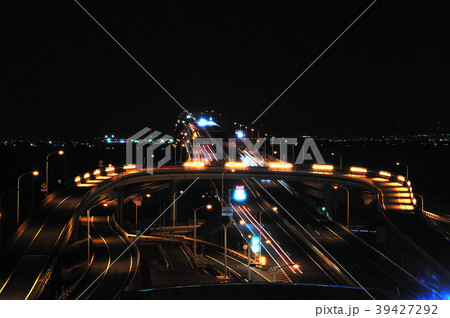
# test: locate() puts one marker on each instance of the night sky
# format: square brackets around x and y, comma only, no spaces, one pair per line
[388,74]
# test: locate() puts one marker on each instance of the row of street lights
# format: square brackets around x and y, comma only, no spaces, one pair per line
[274,269]
[397,164]
[34,173]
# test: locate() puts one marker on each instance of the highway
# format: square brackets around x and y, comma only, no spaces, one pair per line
[292,230]
[409,221]
[29,258]
[351,254]
[108,242]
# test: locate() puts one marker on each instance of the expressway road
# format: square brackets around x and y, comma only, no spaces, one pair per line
[237,266]
[350,254]
[411,223]
[108,242]
[284,248]
[27,259]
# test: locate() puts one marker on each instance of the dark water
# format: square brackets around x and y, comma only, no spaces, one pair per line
[429,168]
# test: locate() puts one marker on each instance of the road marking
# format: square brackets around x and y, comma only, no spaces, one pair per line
[237,274]
[250,267]
[31,243]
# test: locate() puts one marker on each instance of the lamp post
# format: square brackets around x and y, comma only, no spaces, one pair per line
[249,255]
[209,207]
[407,169]
[271,143]
[340,159]
[257,131]
[260,215]
[225,228]
[136,212]
[34,173]
[174,209]
[88,224]
[88,217]
[421,199]
[60,152]
[249,273]
[348,202]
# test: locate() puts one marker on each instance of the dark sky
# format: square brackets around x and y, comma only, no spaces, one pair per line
[388,74]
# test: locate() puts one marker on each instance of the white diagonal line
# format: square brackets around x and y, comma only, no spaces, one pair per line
[314,239]
[313,62]
[136,239]
[131,56]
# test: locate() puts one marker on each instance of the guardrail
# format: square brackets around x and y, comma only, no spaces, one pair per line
[420,251]
[358,173]
[96,176]
[110,171]
[436,217]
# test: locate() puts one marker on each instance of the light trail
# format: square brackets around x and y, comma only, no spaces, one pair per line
[267,235]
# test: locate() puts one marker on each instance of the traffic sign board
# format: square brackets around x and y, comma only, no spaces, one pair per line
[227,211]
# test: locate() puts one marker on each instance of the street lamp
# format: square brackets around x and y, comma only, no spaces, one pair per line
[208,207]
[348,202]
[174,209]
[275,270]
[88,216]
[249,273]
[34,173]
[407,169]
[257,131]
[137,203]
[340,159]
[60,152]
[225,228]
[421,199]
[274,208]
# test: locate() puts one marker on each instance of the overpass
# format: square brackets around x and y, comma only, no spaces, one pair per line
[27,267]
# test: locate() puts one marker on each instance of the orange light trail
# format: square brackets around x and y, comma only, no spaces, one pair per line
[265,234]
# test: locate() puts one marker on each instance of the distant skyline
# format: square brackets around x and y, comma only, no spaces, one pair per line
[387,75]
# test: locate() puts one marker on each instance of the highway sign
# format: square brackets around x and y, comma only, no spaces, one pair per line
[227,211]
[255,244]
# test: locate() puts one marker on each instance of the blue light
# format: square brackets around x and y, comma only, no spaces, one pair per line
[240,134]
[437,288]
[203,122]
[255,244]
[239,195]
